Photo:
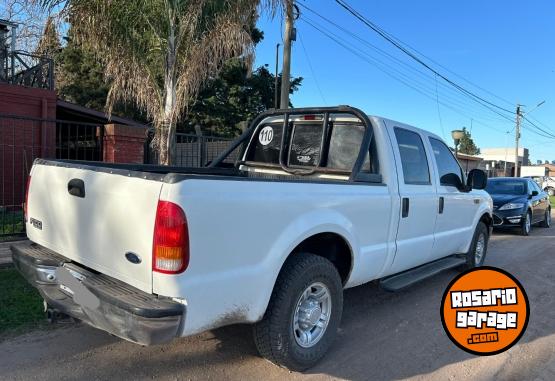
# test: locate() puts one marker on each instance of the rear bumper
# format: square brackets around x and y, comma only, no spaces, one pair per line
[98,300]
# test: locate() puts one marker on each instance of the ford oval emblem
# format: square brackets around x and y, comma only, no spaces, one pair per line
[132,257]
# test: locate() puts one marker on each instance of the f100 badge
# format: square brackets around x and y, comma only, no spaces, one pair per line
[485,311]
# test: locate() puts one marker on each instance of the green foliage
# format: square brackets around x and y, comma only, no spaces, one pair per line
[21,303]
[11,223]
[80,80]
[466,145]
[49,44]
[233,97]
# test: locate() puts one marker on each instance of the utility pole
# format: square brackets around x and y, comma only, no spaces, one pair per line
[517,137]
[286,70]
[276,83]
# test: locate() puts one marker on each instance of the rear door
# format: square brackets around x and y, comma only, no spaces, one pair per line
[415,235]
[456,209]
[113,215]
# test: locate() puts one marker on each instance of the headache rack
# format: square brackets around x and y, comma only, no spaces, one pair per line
[310,113]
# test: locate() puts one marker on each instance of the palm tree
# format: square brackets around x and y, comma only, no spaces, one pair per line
[158,53]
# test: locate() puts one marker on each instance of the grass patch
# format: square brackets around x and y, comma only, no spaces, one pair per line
[21,304]
[552,200]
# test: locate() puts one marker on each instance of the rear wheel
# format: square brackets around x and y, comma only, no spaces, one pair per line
[546,223]
[476,256]
[303,314]
[526,225]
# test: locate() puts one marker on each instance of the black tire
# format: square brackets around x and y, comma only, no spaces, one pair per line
[274,335]
[546,223]
[481,231]
[524,227]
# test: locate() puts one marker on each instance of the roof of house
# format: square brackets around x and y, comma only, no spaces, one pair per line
[463,156]
[71,111]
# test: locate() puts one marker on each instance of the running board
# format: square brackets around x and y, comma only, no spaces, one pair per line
[408,278]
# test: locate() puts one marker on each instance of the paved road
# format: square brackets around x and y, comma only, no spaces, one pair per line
[383,336]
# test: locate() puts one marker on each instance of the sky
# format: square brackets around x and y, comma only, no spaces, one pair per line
[501,50]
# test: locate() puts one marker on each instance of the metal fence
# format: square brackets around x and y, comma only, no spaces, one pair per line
[194,150]
[25,69]
[24,139]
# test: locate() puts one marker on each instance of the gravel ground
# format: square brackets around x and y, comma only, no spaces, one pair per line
[383,336]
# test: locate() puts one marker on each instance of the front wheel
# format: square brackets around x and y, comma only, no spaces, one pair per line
[526,225]
[551,191]
[303,315]
[476,256]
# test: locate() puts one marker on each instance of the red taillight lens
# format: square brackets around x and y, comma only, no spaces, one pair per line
[26,203]
[170,250]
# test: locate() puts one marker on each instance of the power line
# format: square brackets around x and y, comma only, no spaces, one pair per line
[439,113]
[373,62]
[398,45]
[312,71]
[395,60]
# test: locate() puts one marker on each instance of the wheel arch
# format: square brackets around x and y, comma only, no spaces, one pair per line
[329,245]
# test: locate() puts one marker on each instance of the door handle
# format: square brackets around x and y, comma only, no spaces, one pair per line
[76,187]
[441,204]
[405,209]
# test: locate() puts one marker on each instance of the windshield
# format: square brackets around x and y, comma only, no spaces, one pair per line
[515,187]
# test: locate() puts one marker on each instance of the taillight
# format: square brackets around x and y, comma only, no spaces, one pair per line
[170,250]
[26,203]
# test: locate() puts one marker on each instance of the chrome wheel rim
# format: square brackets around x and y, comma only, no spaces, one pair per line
[312,315]
[527,223]
[480,248]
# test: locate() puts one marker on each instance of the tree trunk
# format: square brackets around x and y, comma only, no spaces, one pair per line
[167,126]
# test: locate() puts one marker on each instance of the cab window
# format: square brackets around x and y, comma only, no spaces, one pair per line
[413,157]
[445,161]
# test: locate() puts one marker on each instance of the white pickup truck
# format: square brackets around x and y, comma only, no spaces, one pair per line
[318,200]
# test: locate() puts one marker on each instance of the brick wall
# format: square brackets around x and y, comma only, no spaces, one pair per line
[124,144]
[24,137]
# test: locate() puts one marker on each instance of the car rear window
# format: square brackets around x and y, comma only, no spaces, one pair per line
[344,146]
[305,140]
[306,144]
[267,141]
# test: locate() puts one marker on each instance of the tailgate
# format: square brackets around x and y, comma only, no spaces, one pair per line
[115,216]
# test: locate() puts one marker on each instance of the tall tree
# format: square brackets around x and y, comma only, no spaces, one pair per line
[80,79]
[158,53]
[234,96]
[49,43]
[466,145]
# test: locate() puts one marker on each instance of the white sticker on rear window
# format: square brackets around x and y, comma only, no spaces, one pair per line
[266,136]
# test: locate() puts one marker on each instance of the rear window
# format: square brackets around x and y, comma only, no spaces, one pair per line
[305,141]
[267,141]
[305,144]
[344,146]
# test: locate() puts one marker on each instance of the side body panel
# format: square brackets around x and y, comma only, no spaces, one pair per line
[241,232]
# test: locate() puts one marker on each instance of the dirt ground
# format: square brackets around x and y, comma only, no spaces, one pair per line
[383,336]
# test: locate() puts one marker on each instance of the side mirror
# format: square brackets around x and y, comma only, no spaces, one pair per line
[477,179]
[535,193]
[453,180]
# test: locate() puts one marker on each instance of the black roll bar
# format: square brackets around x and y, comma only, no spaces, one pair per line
[286,113]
